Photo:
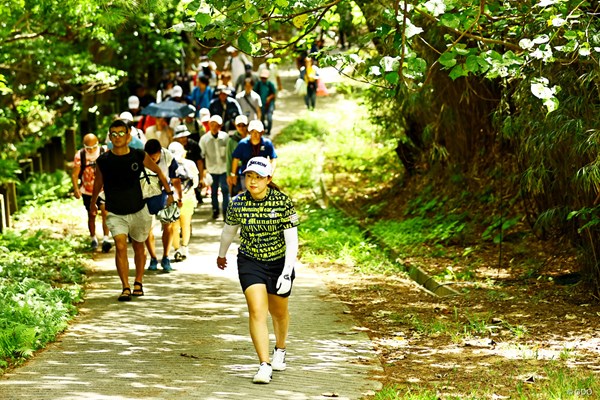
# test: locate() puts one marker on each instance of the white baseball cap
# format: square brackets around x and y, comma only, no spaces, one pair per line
[177,150]
[192,112]
[181,131]
[133,102]
[260,165]
[217,119]
[241,119]
[126,115]
[204,114]
[256,125]
[177,91]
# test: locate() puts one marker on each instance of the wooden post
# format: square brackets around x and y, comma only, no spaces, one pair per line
[4,215]
[70,144]
[59,154]
[46,158]
[36,162]
[11,194]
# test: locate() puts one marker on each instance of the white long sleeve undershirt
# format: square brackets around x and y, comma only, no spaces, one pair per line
[291,244]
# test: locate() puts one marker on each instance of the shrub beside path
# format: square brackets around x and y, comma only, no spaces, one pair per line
[188,338]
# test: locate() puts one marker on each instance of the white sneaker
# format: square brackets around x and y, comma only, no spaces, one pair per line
[278,360]
[264,374]
[184,252]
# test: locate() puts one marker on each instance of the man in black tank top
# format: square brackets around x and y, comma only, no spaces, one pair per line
[118,172]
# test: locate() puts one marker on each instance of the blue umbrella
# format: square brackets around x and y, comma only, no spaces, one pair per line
[167,109]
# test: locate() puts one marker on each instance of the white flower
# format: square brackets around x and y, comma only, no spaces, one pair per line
[525,44]
[546,3]
[390,64]
[412,30]
[557,21]
[541,39]
[435,7]
[375,70]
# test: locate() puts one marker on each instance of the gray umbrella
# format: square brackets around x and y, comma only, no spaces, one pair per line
[167,109]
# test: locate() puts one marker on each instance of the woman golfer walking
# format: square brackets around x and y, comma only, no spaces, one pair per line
[266,258]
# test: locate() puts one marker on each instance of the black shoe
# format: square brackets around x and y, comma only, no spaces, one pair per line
[215,214]
[106,246]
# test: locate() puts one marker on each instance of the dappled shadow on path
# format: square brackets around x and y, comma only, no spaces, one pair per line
[188,338]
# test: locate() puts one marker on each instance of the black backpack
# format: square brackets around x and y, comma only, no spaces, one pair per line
[84,162]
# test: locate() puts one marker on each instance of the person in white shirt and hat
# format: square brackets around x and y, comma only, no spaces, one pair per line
[236,63]
[214,146]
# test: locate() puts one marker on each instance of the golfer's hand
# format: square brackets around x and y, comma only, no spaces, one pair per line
[284,283]
[93,209]
[221,262]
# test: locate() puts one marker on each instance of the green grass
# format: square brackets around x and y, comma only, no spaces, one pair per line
[41,278]
[327,235]
[42,188]
[554,382]
[301,130]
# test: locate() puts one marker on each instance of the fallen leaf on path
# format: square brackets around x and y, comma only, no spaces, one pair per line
[330,394]
[189,356]
[360,328]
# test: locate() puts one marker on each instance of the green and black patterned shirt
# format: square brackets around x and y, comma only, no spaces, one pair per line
[262,223]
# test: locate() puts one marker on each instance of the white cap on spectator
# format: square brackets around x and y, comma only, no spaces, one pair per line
[241,119]
[204,114]
[177,91]
[256,125]
[126,115]
[133,102]
[217,119]
[192,111]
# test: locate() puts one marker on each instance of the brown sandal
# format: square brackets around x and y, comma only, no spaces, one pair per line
[136,291]
[125,295]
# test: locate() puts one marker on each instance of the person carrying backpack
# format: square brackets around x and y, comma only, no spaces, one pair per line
[83,175]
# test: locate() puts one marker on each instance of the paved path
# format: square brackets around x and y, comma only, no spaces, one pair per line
[188,339]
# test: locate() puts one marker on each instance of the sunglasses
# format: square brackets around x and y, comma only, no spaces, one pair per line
[119,134]
[241,125]
[90,147]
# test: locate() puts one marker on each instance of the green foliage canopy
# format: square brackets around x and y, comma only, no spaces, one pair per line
[54,53]
[511,40]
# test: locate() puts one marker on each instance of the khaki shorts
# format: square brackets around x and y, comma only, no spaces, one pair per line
[136,225]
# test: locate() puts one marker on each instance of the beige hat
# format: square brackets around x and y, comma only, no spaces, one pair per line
[265,73]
